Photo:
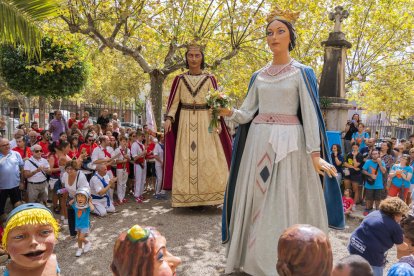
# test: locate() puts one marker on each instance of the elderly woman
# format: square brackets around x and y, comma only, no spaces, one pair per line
[385,224]
[143,252]
[296,245]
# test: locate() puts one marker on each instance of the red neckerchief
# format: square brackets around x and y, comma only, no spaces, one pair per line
[107,154]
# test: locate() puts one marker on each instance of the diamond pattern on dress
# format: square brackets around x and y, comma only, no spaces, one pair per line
[264,174]
[193,146]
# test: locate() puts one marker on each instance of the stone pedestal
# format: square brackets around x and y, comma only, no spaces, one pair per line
[336,115]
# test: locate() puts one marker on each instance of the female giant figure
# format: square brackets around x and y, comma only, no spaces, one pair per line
[276,159]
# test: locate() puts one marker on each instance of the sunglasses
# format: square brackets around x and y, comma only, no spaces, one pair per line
[90,140]
[37,151]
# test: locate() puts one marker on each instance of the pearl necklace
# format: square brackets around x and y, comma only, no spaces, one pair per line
[271,72]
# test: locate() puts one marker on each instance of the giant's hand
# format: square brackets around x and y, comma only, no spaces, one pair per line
[223,111]
[322,166]
[167,125]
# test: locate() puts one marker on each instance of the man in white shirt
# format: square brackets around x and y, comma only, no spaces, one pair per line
[17,134]
[138,153]
[35,170]
[100,155]
[100,185]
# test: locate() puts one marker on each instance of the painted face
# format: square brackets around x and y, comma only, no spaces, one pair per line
[278,37]
[194,58]
[165,263]
[30,246]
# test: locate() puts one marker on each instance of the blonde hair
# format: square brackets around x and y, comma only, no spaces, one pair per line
[30,216]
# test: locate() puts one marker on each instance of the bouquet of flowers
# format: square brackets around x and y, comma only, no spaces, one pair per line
[216,99]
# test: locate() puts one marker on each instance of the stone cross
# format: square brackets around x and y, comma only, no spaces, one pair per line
[337,16]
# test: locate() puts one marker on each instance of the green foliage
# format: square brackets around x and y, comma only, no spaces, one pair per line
[391,90]
[19,19]
[59,73]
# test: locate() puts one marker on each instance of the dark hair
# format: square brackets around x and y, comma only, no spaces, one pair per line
[354,144]
[358,265]
[71,139]
[43,132]
[338,147]
[292,32]
[389,145]
[361,124]
[354,115]
[407,224]
[202,66]
[34,123]
[62,133]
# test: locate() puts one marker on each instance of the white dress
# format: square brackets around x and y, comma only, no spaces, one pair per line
[277,185]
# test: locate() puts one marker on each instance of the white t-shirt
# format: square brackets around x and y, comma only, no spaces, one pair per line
[119,154]
[96,186]
[98,154]
[136,149]
[159,152]
[71,187]
[39,176]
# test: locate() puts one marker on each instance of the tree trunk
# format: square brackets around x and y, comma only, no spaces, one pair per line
[157,80]
[42,107]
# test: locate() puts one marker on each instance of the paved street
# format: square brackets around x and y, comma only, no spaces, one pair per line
[193,235]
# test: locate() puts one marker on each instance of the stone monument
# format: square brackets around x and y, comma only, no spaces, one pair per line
[332,85]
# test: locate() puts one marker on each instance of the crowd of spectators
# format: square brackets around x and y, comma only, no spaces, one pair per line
[48,166]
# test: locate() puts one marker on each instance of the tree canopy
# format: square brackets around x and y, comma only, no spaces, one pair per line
[60,73]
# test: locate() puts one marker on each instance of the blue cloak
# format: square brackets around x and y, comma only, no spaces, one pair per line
[331,189]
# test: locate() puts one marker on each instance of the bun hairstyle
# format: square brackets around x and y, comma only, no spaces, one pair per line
[304,250]
[134,252]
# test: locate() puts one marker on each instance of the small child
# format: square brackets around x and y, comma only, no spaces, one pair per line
[29,237]
[83,207]
[347,202]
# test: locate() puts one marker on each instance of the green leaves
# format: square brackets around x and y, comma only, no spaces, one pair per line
[19,22]
[59,74]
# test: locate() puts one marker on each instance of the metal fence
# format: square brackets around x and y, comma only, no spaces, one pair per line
[400,130]
[15,113]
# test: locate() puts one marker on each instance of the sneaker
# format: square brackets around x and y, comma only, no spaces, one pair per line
[366,212]
[124,200]
[116,203]
[138,200]
[353,208]
[78,252]
[65,222]
[62,218]
[87,247]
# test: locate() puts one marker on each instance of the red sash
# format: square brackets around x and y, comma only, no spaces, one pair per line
[107,154]
[123,166]
[140,160]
